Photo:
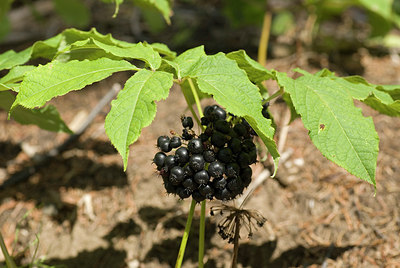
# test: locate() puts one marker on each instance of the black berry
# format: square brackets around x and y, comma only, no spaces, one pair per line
[201,177]
[161,140]
[196,162]
[175,142]
[187,122]
[159,159]
[182,155]
[176,175]
[209,156]
[195,146]
[216,169]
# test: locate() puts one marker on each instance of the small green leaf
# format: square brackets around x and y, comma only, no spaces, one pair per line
[163,50]
[255,71]
[16,74]
[134,51]
[135,108]
[41,49]
[392,90]
[229,85]
[46,118]
[73,12]
[336,127]
[56,79]
[188,60]
[162,6]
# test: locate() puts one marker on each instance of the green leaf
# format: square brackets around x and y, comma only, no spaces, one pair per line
[73,12]
[4,87]
[392,90]
[163,50]
[135,108]
[98,46]
[71,36]
[41,49]
[382,7]
[162,6]
[134,51]
[255,71]
[358,88]
[16,74]
[82,50]
[188,60]
[293,114]
[336,126]
[46,118]
[229,85]
[57,78]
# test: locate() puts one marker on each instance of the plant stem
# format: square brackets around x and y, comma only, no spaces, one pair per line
[196,97]
[9,260]
[203,203]
[191,109]
[263,43]
[202,233]
[185,235]
[236,242]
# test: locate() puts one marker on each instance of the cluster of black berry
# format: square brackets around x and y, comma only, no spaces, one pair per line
[214,164]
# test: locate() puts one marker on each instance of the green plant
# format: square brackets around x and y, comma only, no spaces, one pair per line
[76,59]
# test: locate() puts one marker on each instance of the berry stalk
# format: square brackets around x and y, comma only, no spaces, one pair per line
[185,235]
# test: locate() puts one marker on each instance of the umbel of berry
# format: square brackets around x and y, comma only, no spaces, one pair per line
[212,164]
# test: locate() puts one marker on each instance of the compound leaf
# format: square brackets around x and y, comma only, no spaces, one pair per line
[135,108]
[46,118]
[229,85]
[57,78]
[336,127]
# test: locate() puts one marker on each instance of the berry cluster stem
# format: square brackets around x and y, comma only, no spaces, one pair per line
[9,260]
[185,235]
[203,203]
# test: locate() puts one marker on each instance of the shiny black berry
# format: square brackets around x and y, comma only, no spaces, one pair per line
[216,169]
[196,162]
[201,177]
[206,190]
[195,146]
[222,194]
[182,155]
[162,139]
[176,175]
[187,122]
[175,142]
[197,196]
[159,159]
[165,146]
[219,113]
[170,161]
[190,184]
[183,193]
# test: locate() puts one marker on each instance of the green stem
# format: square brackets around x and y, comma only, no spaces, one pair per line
[9,260]
[202,233]
[203,203]
[191,109]
[196,97]
[185,235]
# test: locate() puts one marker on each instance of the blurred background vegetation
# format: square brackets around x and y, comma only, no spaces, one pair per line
[333,27]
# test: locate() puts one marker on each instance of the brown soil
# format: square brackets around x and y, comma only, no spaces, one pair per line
[319,217]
